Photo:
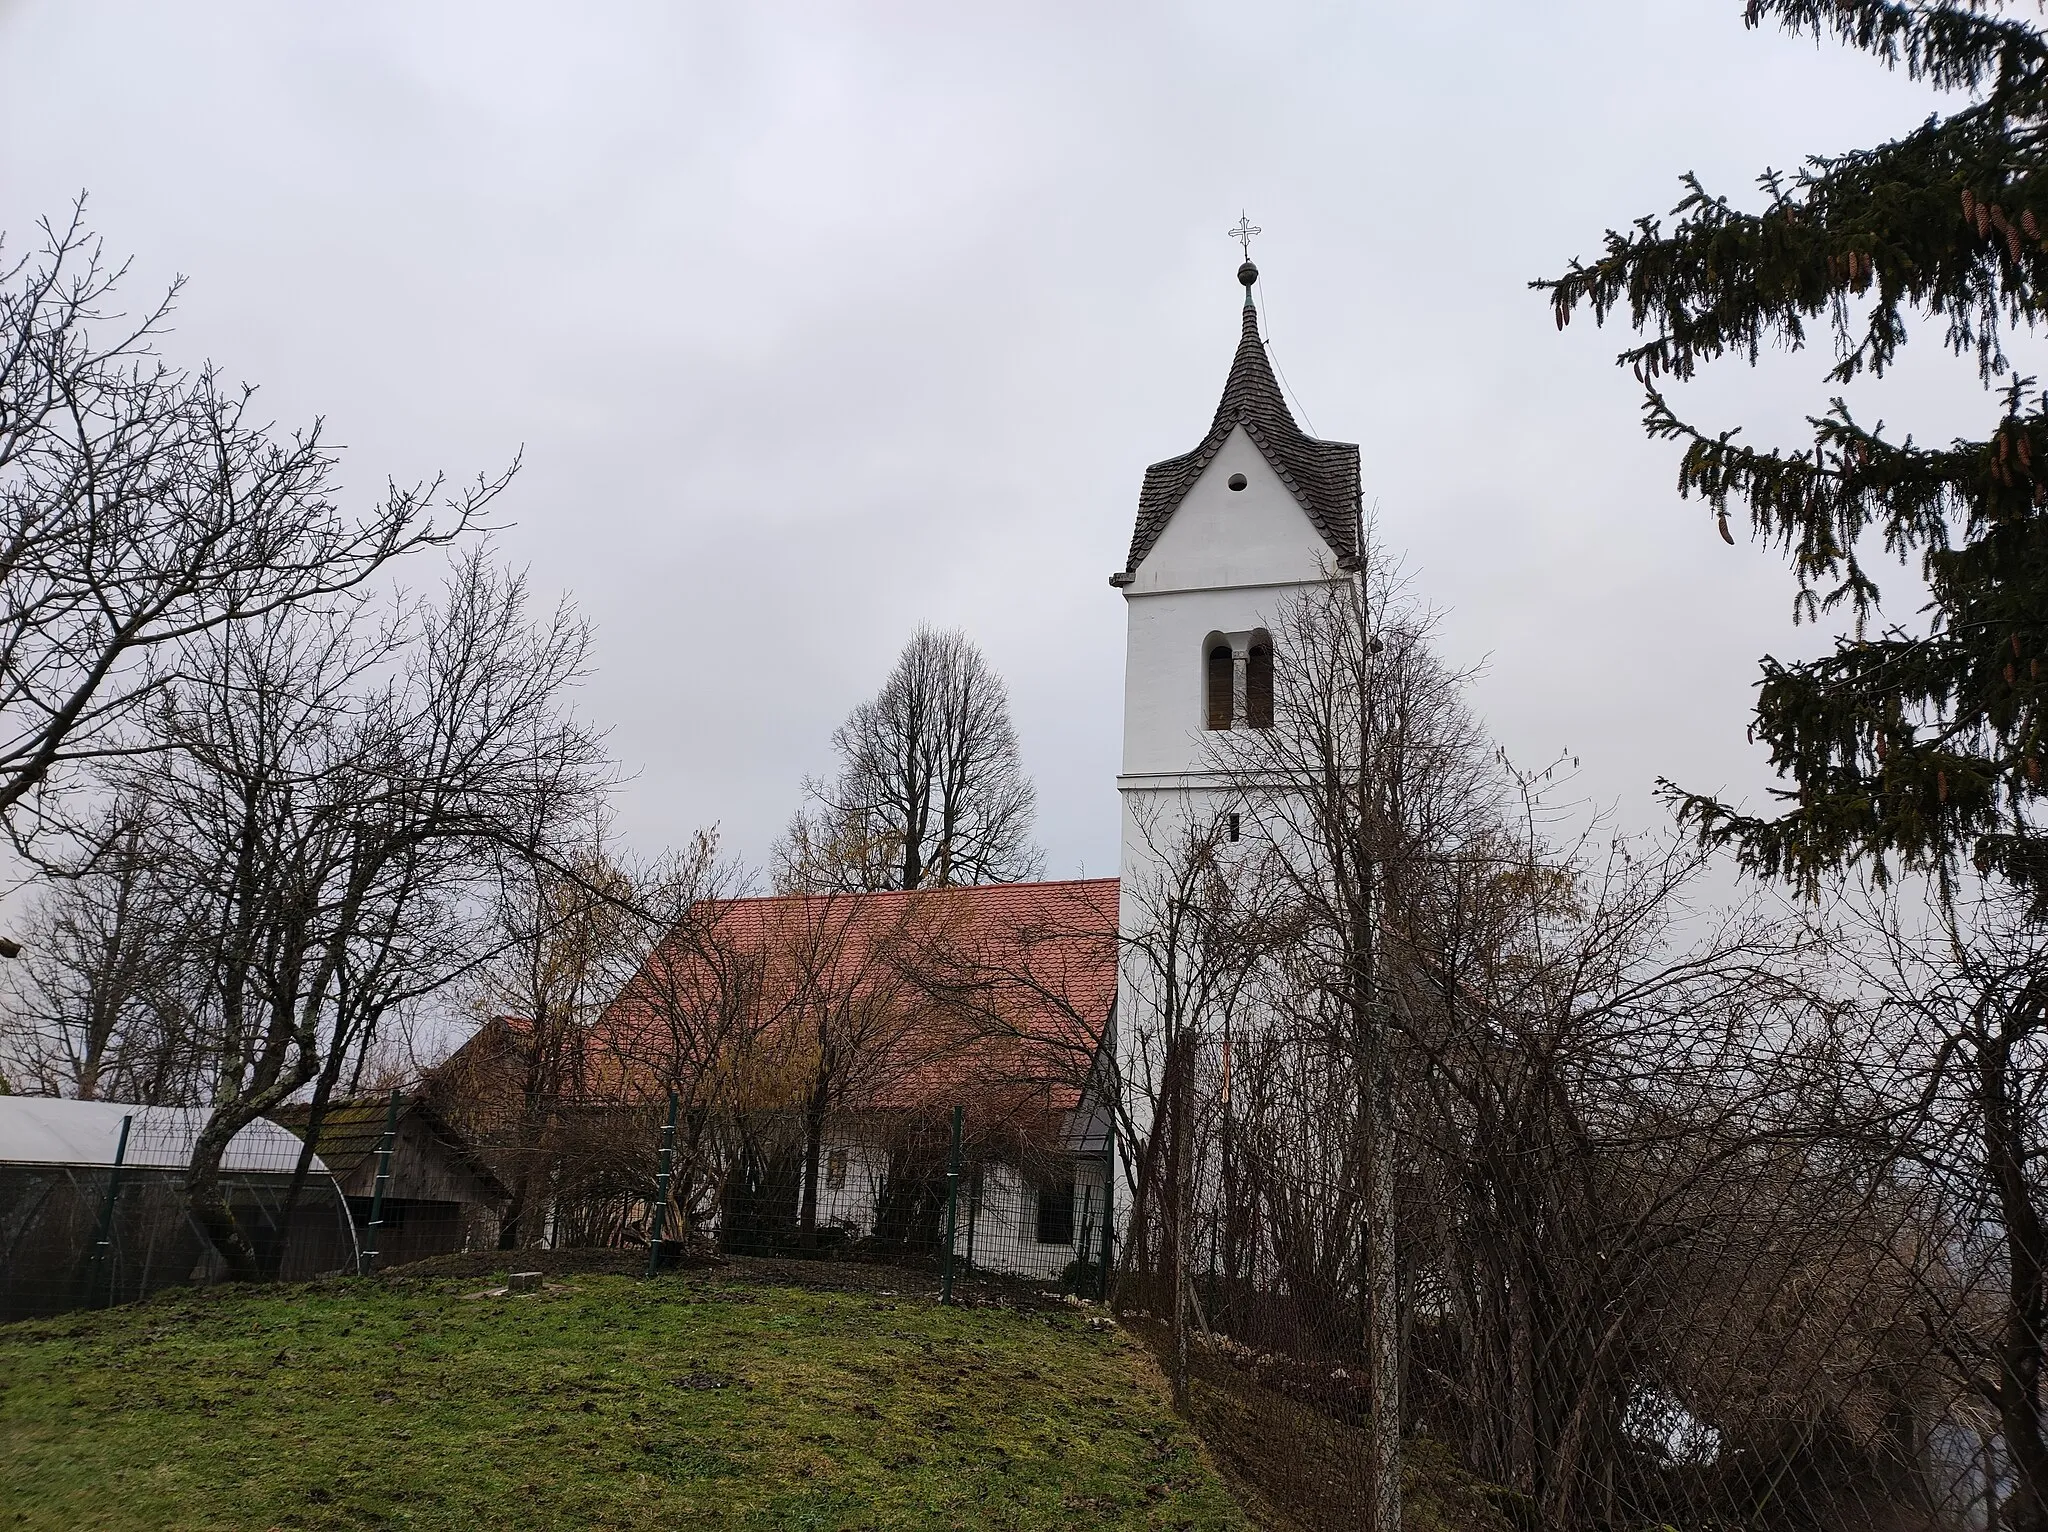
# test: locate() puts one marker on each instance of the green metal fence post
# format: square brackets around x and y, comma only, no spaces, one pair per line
[952,1205]
[1081,1242]
[1108,1202]
[367,1261]
[975,1188]
[103,1243]
[668,1162]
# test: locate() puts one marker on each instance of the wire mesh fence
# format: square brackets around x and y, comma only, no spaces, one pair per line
[1692,1328]
[96,1205]
[965,1187]
[946,1190]
[1632,1318]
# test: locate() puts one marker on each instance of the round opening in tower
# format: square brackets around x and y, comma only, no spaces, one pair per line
[1238,481]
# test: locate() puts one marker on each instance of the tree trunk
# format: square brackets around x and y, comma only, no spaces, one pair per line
[316,1113]
[515,1208]
[209,1204]
[814,1146]
[1383,1315]
[1180,1182]
[2020,1345]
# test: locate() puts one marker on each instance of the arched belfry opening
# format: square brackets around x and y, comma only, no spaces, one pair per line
[1237,680]
[1220,681]
[1258,681]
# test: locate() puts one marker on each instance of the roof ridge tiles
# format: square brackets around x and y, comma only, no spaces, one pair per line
[904,893]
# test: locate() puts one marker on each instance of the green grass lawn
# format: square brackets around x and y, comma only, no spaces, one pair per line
[601,1402]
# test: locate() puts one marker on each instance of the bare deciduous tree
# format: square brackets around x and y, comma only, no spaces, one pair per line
[561,938]
[142,506]
[1574,1168]
[1191,947]
[1371,777]
[1946,1086]
[99,1004]
[931,788]
[321,784]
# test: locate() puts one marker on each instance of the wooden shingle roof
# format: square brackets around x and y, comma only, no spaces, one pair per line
[350,1132]
[1322,476]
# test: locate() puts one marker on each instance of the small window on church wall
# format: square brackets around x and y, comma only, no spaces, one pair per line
[1258,685]
[1220,685]
[1056,1212]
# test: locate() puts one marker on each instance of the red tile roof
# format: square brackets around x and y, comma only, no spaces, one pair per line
[993,993]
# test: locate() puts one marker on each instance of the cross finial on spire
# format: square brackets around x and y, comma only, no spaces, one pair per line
[1243,233]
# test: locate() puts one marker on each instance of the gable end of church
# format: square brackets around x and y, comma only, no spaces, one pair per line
[1322,476]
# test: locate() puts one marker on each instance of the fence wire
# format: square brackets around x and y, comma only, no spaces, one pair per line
[87,1235]
[1634,1325]
[1638,1319]
[872,1184]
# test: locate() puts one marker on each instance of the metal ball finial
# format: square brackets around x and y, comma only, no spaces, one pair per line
[1247,273]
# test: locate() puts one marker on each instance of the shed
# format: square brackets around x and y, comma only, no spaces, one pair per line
[442,1198]
[92,1216]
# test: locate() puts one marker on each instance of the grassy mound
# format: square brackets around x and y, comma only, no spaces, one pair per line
[689,1401]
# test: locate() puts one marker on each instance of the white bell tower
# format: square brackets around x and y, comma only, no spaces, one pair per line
[1226,534]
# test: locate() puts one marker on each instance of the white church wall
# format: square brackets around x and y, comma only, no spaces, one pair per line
[1164,710]
[998,1231]
[1226,564]
[851,1175]
[1234,537]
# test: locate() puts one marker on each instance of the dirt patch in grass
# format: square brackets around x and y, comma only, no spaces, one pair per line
[708,1399]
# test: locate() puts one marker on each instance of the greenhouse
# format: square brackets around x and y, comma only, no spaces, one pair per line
[92,1204]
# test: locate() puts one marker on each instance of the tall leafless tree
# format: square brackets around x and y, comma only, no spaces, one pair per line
[1191,947]
[1947,1085]
[561,935]
[1562,1156]
[100,1003]
[322,784]
[142,506]
[931,788]
[1372,775]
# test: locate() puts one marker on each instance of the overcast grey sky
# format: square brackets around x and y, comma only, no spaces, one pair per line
[816,321]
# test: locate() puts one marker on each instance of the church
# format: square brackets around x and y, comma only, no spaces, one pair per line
[1014,1013]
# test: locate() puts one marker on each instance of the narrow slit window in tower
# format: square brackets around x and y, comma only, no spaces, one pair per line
[1221,680]
[1258,684]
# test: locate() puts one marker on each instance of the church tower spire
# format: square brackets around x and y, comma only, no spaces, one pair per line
[1320,477]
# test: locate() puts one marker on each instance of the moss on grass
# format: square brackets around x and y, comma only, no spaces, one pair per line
[600,1402]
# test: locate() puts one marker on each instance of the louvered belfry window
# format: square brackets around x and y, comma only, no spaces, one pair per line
[1220,686]
[1258,684]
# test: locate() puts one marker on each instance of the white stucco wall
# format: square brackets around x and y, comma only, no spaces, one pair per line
[1233,537]
[1000,1232]
[1228,563]
[852,1205]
